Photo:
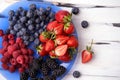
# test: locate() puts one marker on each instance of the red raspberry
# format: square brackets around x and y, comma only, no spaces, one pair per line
[6,54]
[5,43]
[5,37]
[2,51]
[19,40]
[30,51]
[4,59]
[30,59]
[16,46]
[26,58]
[11,41]
[18,65]
[12,48]
[21,69]
[22,45]
[10,36]
[1,32]
[16,53]
[12,68]
[20,59]
[24,51]
[5,66]
[13,61]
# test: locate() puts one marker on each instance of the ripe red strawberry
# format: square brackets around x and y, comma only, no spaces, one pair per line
[52,54]
[69,28]
[24,51]
[12,68]
[61,39]
[6,54]
[10,36]
[50,45]
[5,37]
[1,32]
[51,25]
[59,29]
[16,53]
[41,50]
[19,40]
[72,42]
[4,59]
[87,54]
[13,61]
[21,69]
[20,59]
[11,41]
[65,58]
[26,58]
[44,36]
[61,50]
[63,16]
[5,66]
[30,52]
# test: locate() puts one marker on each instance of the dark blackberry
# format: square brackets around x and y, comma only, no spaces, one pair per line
[84,24]
[36,64]
[76,74]
[40,59]
[44,69]
[58,72]
[24,76]
[49,78]
[40,79]
[32,6]
[51,63]
[33,78]
[75,10]
[32,73]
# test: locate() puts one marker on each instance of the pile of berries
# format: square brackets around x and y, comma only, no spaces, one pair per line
[15,54]
[41,66]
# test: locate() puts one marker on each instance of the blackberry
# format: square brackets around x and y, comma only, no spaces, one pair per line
[24,76]
[58,72]
[51,63]
[75,10]
[44,69]
[40,59]
[32,73]
[40,79]
[84,24]
[76,74]
[49,78]
[36,64]
[34,79]
[32,6]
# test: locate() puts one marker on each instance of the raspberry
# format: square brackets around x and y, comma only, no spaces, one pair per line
[2,51]
[5,37]
[1,32]
[24,51]
[6,54]
[16,53]
[22,45]
[26,58]
[11,41]
[5,43]
[12,68]
[18,65]
[20,59]
[4,59]
[21,69]
[11,48]
[24,76]
[30,52]
[10,36]
[13,61]
[19,40]
[5,66]
[16,46]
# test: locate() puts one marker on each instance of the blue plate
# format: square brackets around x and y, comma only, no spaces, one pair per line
[4,25]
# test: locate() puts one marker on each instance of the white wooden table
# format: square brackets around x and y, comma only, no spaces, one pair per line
[106,62]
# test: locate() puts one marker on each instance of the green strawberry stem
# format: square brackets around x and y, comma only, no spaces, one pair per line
[88,48]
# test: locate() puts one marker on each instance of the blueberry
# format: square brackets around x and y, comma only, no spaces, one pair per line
[52,15]
[23,19]
[36,41]
[11,13]
[26,43]
[32,6]
[10,18]
[75,10]
[50,20]
[32,31]
[37,20]
[48,8]
[12,32]
[42,24]
[17,13]
[76,74]
[47,13]
[40,30]
[25,38]
[30,21]
[47,20]
[23,29]
[18,34]
[16,27]
[12,23]
[44,27]
[23,13]
[15,18]
[36,34]
[20,9]
[10,27]
[20,25]
[84,24]
[29,14]
[31,27]
[31,38]
[7,31]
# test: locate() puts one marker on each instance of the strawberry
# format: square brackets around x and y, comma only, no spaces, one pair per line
[41,50]
[44,36]
[50,45]
[1,32]
[87,54]
[20,59]
[61,39]
[52,54]
[72,42]
[68,28]
[59,29]
[63,16]
[65,58]
[5,66]
[12,68]
[51,25]
[10,36]
[61,50]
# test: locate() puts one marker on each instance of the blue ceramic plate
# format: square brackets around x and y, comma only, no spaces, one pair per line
[4,25]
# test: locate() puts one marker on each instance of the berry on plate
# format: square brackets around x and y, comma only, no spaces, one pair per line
[72,42]
[68,28]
